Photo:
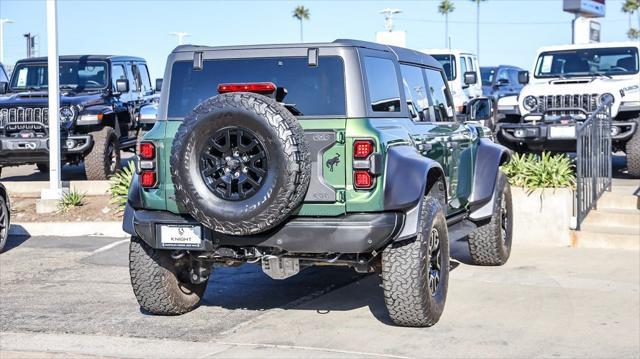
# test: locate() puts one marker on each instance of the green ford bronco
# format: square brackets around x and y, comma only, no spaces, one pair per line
[287,156]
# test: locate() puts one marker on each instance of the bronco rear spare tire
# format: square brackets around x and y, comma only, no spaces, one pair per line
[239,163]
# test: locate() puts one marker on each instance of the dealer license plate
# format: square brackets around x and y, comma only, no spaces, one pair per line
[562,132]
[181,236]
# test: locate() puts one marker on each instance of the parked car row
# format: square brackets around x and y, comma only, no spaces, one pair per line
[107,103]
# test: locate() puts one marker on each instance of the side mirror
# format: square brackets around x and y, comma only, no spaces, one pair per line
[149,113]
[523,77]
[4,87]
[470,78]
[158,85]
[480,109]
[122,86]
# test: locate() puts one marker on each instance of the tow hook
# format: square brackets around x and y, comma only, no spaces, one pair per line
[199,272]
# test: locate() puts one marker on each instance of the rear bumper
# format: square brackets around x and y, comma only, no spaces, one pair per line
[18,151]
[352,233]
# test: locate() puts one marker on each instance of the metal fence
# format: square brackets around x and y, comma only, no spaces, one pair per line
[593,160]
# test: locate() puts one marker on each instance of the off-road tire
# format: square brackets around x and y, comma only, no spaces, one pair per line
[281,136]
[4,223]
[633,153]
[43,167]
[159,286]
[99,163]
[405,272]
[487,245]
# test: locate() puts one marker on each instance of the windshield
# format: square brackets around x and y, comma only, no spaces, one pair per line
[487,74]
[311,90]
[78,75]
[448,62]
[604,61]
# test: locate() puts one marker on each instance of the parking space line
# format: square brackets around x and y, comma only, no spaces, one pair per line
[317,349]
[109,246]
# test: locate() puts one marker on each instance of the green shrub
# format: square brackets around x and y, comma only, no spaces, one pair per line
[540,171]
[71,200]
[119,186]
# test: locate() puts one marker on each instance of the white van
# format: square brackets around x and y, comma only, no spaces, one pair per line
[456,63]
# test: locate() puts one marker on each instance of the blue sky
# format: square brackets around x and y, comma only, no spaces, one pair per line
[511,30]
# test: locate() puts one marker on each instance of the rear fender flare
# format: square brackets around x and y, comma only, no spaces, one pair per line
[409,176]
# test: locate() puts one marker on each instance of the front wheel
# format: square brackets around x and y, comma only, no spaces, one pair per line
[415,272]
[161,283]
[490,244]
[633,153]
[104,159]
[4,223]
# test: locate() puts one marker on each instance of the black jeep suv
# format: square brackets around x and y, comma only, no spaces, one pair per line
[103,104]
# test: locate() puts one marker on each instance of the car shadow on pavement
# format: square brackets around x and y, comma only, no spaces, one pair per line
[15,241]
[69,172]
[248,288]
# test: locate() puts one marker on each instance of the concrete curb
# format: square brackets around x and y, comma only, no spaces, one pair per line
[68,229]
[89,188]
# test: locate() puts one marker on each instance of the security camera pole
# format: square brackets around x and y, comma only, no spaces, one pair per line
[54,192]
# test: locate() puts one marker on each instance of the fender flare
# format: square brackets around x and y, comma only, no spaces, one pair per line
[489,157]
[134,201]
[409,176]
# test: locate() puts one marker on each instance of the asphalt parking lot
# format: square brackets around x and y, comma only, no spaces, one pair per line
[71,297]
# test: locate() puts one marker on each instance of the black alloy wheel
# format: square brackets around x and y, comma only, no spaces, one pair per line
[234,164]
[434,261]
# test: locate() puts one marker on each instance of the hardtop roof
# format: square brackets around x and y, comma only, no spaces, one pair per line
[401,54]
[84,57]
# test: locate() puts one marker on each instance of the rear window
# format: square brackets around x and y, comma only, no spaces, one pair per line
[312,90]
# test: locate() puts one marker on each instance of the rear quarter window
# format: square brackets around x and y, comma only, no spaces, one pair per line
[382,82]
[312,90]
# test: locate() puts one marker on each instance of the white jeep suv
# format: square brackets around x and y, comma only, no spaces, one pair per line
[570,82]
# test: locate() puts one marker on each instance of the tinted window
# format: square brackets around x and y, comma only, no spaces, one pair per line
[313,91]
[382,82]
[3,75]
[472,64]
[144,77]
[438,93]
[448,63]
[415,91]
[609,61]
[513,76]
[137,82]
[118,74]
[487,74]
[73,74]
[503,75]
[463,69]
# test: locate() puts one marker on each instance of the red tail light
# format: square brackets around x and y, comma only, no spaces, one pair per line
[362,180]
[257,87]
[147,179]
[365,164]
[362,148]
[147,165]
[147,150]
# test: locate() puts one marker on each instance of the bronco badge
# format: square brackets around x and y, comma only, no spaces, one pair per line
[333,162]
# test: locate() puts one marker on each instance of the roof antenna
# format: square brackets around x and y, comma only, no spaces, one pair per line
[388,17]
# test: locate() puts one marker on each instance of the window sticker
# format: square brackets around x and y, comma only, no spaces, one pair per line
[22,77]
[547,61]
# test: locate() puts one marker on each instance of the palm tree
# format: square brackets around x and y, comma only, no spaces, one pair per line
[629,7]
[446,7]
[478,26]
[301,13]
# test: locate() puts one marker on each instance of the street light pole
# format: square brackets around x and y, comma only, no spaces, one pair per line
[55,189]
[2,22]
[180,36]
